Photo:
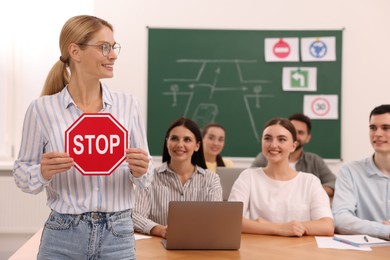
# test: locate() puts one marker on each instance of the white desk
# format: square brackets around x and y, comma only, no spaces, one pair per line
[30,249]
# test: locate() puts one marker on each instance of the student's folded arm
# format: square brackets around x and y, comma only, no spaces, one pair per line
[254,227]
[321,227]
[263,227]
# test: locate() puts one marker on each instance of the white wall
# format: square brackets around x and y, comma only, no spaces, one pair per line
[29,48]
[366,57]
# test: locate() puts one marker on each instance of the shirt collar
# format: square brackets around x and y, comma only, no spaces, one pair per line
[164,168]
[68,100]
[372,168]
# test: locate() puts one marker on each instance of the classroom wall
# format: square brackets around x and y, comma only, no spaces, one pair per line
[366,62]
[366,59]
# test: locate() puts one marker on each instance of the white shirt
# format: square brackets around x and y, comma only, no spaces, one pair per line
[301,198]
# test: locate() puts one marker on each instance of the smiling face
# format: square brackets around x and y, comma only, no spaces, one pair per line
[303,136]
[213,141]
[92,60]
[277,143]
[380,133]
[181,144]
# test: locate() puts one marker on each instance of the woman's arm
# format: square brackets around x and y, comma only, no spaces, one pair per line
[321,227]
[263,227]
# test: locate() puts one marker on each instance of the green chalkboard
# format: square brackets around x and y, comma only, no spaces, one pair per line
[222,76]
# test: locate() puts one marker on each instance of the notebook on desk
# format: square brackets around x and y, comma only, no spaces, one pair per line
[228,176]
[204,225]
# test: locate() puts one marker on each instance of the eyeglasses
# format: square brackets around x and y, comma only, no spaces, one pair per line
[106,48]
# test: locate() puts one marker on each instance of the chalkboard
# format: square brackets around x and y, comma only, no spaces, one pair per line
[222,76]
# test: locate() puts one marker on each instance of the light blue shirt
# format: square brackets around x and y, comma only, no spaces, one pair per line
[46,120]
[362,200]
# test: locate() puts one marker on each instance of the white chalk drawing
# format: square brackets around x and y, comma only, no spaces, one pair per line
[257,90]
[205,113]
[208,110]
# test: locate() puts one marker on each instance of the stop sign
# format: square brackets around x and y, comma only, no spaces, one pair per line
[97,142]
[281,49]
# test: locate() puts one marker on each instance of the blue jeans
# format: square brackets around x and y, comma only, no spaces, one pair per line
[92,235]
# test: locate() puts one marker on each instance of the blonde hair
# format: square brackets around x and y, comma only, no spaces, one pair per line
[78,29]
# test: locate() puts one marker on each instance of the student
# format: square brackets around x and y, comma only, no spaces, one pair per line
[213,142]
[182,177]
[277,199]
[91,215]
[361,202]
[305,161]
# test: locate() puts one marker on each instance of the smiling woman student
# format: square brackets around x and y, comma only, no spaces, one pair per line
[182,177]
[214,141]
[277,199]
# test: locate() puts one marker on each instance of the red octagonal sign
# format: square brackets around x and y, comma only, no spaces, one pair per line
[97,142]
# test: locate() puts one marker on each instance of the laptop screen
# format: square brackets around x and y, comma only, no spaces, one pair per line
[228,176]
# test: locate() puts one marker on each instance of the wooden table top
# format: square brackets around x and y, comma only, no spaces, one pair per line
[260,247]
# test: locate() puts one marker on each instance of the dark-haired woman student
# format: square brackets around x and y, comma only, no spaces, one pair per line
[183,176]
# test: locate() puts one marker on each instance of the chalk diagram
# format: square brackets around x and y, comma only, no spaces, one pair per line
[207,110]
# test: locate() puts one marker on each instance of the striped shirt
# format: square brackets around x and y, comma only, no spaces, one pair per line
[46,120]
[151,205]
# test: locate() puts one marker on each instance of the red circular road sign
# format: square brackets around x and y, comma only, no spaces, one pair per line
[97,142]
[320,106]
[281,49]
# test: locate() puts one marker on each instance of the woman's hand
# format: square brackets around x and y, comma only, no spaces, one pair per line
[55,162]
[138,161]
[160,231]
[293,228]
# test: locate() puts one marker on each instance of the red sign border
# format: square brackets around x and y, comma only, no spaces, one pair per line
[313,103]
[117,123]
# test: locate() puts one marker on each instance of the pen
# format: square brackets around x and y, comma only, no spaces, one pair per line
[365,238]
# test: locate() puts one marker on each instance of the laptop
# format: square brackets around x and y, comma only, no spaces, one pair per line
[204,225]
[228,176]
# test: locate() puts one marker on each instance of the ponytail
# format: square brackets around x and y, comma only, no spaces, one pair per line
[57,79]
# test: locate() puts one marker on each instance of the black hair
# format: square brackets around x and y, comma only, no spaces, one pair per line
[302,118]
[198,156]
[379,110]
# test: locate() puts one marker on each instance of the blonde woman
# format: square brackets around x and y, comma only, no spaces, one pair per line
[91,215]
